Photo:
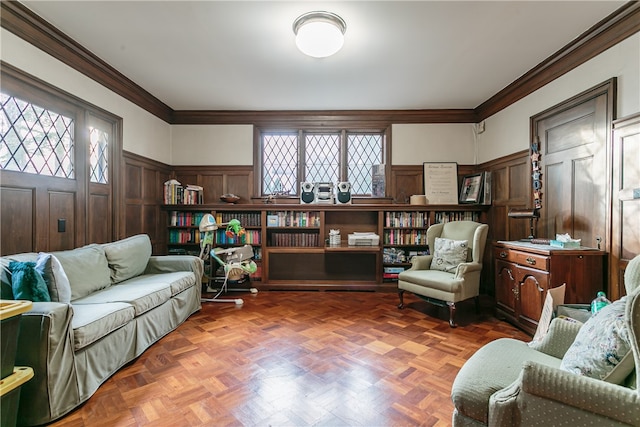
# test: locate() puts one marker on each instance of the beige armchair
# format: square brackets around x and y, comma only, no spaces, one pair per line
[512,383]
[446,287]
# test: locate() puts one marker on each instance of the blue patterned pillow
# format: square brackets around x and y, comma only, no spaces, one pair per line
[602,347]
[27,283]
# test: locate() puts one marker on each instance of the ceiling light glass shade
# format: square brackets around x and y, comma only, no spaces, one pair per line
[319,34]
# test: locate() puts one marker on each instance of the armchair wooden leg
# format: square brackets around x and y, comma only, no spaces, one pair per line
[400,295]
[452,312]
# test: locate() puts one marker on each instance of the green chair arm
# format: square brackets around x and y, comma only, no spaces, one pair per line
[546,395]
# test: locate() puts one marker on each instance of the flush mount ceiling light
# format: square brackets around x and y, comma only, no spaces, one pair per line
[319,34]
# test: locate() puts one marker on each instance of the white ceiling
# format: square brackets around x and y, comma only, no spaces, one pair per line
[240,55]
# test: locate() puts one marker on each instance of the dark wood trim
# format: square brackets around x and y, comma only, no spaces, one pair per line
[621,24]
[25,24]
[495,163]
[335,118]
[146,161]
[21,21]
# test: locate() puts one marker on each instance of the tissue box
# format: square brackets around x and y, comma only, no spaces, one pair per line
[574,244]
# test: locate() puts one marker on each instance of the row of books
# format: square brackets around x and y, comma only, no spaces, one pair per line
[247,219]
[293,219]
[177,194]
[406,219]
[184,236]
[185,219]
[250,237]
[404,237]
[456,216]
[294,239]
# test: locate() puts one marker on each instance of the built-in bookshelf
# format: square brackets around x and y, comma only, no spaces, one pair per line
[291,242]
[404,236]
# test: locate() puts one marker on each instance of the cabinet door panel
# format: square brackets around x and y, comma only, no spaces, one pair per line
[533,288]
[505,287]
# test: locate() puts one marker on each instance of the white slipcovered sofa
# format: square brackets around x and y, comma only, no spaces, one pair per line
[110,302]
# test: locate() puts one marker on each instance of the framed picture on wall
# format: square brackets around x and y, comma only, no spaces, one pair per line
[471,189]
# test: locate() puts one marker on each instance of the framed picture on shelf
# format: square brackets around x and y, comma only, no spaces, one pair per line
[471,189]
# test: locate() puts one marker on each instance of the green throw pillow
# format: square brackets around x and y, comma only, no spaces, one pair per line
[27,283]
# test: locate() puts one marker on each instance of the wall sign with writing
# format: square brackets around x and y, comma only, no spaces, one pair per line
[441,183]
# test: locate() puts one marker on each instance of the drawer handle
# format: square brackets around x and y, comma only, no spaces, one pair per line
[531,261]
[503,254]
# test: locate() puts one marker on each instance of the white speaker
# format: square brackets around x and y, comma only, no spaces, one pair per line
[344,193]
[307,193]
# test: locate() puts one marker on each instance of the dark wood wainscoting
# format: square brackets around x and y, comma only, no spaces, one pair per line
[143,181]
[625,218]
[218,180]
[510,189]
[39,213]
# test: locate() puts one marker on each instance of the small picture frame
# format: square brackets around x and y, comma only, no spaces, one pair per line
[471,189]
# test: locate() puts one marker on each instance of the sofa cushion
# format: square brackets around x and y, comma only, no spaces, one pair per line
[602,348]
[86,268]
[143,293]
[55,277]
[5,273]
[178,281]
[448,254]
[93,321]
[492,368]
[27,282]
[128,257]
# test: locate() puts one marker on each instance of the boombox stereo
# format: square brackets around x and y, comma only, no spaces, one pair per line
[344,193]
[307,193]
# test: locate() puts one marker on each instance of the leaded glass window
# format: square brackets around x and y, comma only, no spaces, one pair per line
[98,155]
[35,140]
[290,158]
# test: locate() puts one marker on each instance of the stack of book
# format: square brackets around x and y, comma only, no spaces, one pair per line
[176,194]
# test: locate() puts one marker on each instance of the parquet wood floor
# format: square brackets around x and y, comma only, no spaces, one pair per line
[298,359]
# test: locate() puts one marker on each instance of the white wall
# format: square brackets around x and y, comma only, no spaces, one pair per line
[143,133]
[507,131]
[413,144]
[212,144]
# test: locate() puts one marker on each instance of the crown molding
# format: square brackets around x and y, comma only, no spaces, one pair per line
[613,29]
[25,24]
[21,21]
[351,118]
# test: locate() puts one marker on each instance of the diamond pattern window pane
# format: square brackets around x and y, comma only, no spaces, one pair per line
[280,163]
[363,151]
[35,140]
[322,157]
[98,156]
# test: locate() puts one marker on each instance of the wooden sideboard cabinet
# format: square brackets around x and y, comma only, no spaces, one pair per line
[525,271]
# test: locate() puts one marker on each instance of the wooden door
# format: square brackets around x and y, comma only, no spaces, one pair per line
[625,223]
[574,140]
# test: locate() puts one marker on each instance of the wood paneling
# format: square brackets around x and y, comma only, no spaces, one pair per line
[100,224]
[62,207]
[625,223]
[219,180]
[509,190]
[17,211]
[405,182]
[143,181]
